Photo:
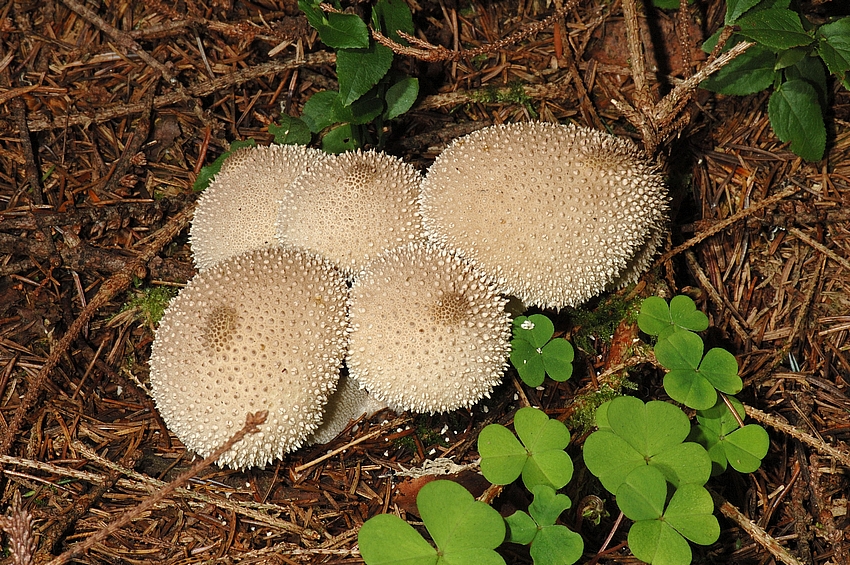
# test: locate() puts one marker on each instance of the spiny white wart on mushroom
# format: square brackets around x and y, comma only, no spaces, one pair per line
[351,207]
[552,214]
[237,212]
[427,332]
[265,330]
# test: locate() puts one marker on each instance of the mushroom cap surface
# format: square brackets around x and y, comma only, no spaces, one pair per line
[237,212]
[347,403]
[264,330]
[351,207]
[427,332]
[552,214]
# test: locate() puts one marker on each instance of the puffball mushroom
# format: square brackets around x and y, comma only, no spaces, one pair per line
[553,214]
[237,212]
[347,403]
[351,207]
[427,332]
[264,330]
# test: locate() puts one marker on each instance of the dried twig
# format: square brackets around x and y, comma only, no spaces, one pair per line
[758,534]
[251,426]
[18,525]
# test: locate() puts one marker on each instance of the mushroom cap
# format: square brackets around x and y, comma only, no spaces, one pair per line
[264,330]
[237,212]
[351,207]
[427,332]
[553,214]
[347,403]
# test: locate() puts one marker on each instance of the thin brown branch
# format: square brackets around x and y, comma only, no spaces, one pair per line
[758,534]
[252,421]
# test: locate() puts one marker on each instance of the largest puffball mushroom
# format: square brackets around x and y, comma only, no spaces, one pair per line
[427,334]
[237,212]
[264,330]
[553,214]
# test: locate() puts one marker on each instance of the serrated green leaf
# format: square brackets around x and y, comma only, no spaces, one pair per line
[502,455]
[834,48]
[336,30]
[656,543]
[736,8]
[457,522]
[390,16]
[400,97]
[290,131]
[547,505]
[795,116]
[319,112]
[776,29]
[521,528]
[386,539]
[557,356]
[642,494]
[691,513]
[358,70]
[208,172]
[556,545]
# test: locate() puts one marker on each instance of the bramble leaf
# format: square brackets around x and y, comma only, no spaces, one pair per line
[400,97]
[318,112]
[390,16]
[777,29]
[290,131]
[748,73]
[336,30]
[834,48]
[736,8]
[795,115]
[340,139]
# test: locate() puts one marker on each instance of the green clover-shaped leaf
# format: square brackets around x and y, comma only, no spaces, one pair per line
[658,534]
[639,434]
[693,379]
[540,457]
[534,353]
[718,431]
[551,544]
[465,531]
[658,318]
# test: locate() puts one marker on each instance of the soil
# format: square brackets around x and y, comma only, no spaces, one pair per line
[108,112]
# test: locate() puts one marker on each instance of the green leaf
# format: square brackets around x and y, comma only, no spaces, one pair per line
[654,316]
[684,314]
[691,513]
[545,440]
[680,350]
[558,357]
[717,430]
[290,131]
[521,528]
[720,368]
[528,361]
[207,172]
[642,494]
[458,523]
[391,16]
[502,455]
[358,70]
[736,8]
[340,139]
[536,329]
[658,318]
[795,116]
[656,543]
[400,97]
[644,434]
[748,73]
[386,539]
[547,505]
[834,48]
[776,29]
[666,4]
[319,110]
[556,545]
[810,69]
[336,30]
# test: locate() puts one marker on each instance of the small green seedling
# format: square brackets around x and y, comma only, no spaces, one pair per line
[465,531]
[632,434]
[658,318]
[551,544]
[534,353]
[207,172]
[658,533]
[718,431]
[693,379]
[540,458]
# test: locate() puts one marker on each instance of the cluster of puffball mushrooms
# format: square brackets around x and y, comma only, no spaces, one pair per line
[309,262]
